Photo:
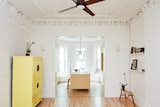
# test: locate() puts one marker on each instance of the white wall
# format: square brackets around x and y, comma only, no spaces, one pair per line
[116,48]
[91,53]
[146,30]
[138,78]
[12,42]
[152,42]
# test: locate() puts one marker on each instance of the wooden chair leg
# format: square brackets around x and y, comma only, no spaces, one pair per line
[125,95]
[133,101]
[120,95]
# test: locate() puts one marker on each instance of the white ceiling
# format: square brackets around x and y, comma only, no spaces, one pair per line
[49,8]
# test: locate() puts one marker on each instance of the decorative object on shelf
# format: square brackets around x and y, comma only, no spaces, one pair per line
[29,46]
[134,64]
[135,50]
[137,57]
[140,50]
[124,81]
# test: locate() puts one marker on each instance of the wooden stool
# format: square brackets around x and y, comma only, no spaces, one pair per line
[126,94]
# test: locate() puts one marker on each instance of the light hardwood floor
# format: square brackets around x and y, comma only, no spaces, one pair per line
[83,98]
[86,102]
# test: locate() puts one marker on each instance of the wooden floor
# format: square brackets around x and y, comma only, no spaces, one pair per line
[83,98]
[87,102]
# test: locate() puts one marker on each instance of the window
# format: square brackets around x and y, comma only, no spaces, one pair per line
[63,60]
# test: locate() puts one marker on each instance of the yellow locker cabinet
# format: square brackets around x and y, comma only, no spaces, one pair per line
[26,81]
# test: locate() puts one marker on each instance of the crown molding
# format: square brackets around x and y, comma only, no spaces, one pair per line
[148,4]
[15,16]
[97,20]
[72,21]
[19,17]
[24,22]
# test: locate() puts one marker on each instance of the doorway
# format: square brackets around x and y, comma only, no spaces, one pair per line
[80,55]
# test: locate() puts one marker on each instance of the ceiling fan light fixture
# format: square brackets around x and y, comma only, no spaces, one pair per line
[80,7]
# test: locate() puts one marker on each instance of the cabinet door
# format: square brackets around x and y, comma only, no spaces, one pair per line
[37,70]
[37,80]
[34,88]
[36,91]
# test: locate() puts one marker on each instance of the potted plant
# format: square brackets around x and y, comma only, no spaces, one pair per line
[28,47]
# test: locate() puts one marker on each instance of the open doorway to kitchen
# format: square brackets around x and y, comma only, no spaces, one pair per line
[79,67]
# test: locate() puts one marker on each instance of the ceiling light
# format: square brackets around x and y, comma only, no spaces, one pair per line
[80,7]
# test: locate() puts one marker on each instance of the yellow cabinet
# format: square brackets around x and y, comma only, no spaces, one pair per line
[26,81]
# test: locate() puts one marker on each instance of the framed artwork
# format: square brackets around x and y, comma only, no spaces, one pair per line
[134,65]
[140,50]
[133,50]
[137,50]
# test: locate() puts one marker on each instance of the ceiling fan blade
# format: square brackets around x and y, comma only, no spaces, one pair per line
[67,9]
[79,2]
[86,9]
[90,2]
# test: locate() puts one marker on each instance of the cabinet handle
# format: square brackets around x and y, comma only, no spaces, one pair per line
[38,67]
[37,85]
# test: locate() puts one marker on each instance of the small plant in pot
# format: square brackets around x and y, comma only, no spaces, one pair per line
[124,82]
[28,48]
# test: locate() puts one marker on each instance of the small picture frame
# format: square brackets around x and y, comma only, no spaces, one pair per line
[134,65]
[133,50]
[140,50]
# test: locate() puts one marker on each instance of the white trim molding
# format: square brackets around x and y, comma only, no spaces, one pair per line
[19,17]
[100,21]
[23,21]
[15,16]
[95,20]
[148,4]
